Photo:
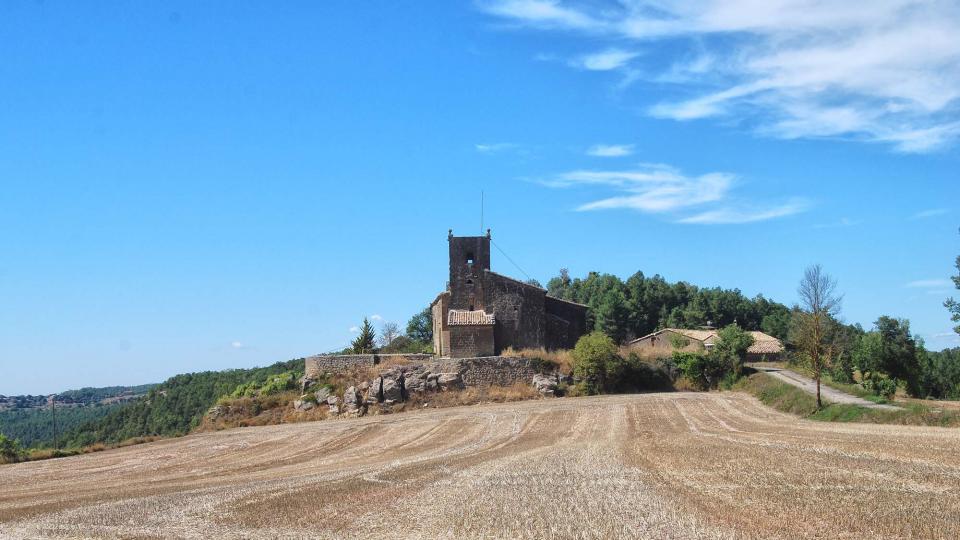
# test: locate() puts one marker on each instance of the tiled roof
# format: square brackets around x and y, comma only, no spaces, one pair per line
[762,343]
[458,318]
[699,335]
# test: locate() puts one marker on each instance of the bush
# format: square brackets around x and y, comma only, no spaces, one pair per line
[880,385]
[10,450]
[596,363]
[702,370]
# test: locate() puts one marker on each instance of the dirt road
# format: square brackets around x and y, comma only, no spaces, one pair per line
[828,394]
[679,465]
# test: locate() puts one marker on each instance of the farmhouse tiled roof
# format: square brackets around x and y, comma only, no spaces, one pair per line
[458,317]
[762,343]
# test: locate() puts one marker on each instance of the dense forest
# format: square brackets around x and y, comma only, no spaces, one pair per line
[640,305]
[29,419]
[174,407]
[33,427]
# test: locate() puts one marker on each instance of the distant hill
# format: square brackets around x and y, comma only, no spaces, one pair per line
[173,407]
[29,419]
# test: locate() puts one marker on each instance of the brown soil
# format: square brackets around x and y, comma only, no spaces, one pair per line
[678,465]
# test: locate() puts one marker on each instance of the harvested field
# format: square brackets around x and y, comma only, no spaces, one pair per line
[679,465]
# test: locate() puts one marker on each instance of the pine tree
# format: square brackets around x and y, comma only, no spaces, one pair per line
[364,343]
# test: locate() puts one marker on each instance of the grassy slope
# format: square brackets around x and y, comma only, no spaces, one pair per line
[790,399]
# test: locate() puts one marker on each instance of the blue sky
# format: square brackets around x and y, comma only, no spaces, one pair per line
[191,186]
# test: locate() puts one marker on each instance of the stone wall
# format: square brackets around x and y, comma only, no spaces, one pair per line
[519,309]
[488,370]
[471,340]
[316,366]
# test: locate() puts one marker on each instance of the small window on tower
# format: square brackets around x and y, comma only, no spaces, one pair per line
[469,282]
[469,258]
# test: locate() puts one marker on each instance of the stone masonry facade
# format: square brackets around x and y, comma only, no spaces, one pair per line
[483,313]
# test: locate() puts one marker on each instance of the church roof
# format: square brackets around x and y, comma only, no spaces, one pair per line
[458,317]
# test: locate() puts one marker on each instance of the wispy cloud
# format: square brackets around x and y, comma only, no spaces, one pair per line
[654,188]
[376,317]
[493,148]
[610,150]
[929,283]
[605,60]
[354,329]
[889,73]
[933,212]
[747,214]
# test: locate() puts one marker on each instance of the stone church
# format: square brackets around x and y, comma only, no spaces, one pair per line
[482,313]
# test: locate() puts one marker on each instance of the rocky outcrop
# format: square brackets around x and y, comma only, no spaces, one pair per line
[449,381]
[545,384]
[400,383]
[333,404]
[352,400]
[304,403]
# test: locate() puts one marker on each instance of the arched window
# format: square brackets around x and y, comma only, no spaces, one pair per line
[470,258]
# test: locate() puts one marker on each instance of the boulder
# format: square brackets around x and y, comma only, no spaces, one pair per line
[333,403]
[322,394]
[303,405]
[545,384]
[392,389]
[306,383]
[351,400]
[449,381]
[374,391]
[415,385]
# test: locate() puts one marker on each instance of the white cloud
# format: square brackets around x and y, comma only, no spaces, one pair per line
[354,329]
[236,345]
[746,215]
[929,283]
[376,317]
[610,150]
[605,60]
[493,148]
[888,72]
[662,189]
[933,212]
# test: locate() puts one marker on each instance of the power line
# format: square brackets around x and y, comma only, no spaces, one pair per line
[511,260]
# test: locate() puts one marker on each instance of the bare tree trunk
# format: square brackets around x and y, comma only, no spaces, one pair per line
[819,403]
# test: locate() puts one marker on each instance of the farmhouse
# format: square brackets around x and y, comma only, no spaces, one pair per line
[663,342]
[482,313]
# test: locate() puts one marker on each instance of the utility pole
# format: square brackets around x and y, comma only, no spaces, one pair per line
[53,409]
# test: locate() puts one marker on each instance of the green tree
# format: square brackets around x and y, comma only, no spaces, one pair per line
[366,341]
[898,352]
[611,315]
[810,327]
[952,305]
[730,350]
[10,450]
[420,326]
[596,362]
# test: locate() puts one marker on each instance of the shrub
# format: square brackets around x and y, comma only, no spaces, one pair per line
[10,450]
[880,385]
[596,363]
[702,370]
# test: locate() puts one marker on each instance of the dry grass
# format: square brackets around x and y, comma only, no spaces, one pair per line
[562,358]
[677,465]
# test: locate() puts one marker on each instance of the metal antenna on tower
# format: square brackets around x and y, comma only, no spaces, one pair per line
[481,211]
